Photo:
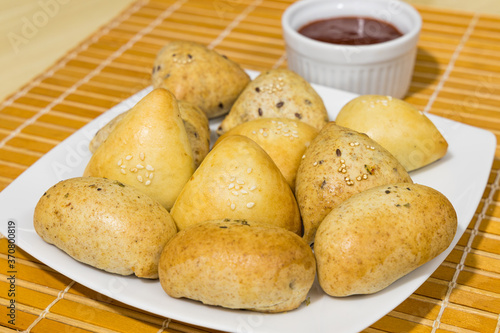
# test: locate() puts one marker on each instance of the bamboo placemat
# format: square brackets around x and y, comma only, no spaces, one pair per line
[457,75]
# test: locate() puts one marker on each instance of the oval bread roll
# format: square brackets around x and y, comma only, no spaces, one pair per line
[238,264]
[379,235]
[199,75]
[106,224]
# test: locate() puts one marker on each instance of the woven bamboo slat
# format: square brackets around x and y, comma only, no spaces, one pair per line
[457,75]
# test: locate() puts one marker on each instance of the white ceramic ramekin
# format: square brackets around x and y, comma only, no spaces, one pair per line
[382,69]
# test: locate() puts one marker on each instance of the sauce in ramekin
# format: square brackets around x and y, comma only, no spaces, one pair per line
[350,31]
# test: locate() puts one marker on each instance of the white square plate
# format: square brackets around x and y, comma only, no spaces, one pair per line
[461,175]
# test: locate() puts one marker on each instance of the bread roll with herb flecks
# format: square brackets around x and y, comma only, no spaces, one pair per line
[277,93]
[379,235]
[199,75]
[106,224]
[238,264]
[339,163]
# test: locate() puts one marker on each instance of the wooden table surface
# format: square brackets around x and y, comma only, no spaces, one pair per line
[65,62]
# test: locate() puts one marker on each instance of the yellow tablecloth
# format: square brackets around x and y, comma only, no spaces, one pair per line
[457,75]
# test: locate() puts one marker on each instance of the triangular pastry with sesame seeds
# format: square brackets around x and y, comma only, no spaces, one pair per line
[339,163]
[237,180]
[148,149]
[283,139]
[277,93]
[199,75]
[195,122]
[398,126]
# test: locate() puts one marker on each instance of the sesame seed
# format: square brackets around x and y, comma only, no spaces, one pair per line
[303,156]
[128,157]
[233,179]
[234,192]
[252,188]
[123,166]
[315,163]
[142,156]
[151,175]
[249,170]
[139,178]
[250,204]
[230,186]
[236,187]
[133,169]
[228,202]
[139,166]
[243,192]
[119,162]
[150,168]
[241,182]
[233,206]
[365,176]
[358,178]
[123,171]
[147,182]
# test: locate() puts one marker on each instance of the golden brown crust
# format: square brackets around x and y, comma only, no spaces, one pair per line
[339,163]
[149,149]
[398,126]
[106,224]
[277,93]
[195,121]
[201,76]
[237,180]
[285,140]
[238,264]
[379,235]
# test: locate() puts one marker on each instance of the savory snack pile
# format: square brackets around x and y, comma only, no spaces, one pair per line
[284,195]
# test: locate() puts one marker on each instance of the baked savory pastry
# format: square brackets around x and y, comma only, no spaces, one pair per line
[277,93]
[106,224]
[339,163]
[149,149]
[238,264]
[283,139]
[237,180]
[379,235]
[398,126]
[199,75]
[195,121]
